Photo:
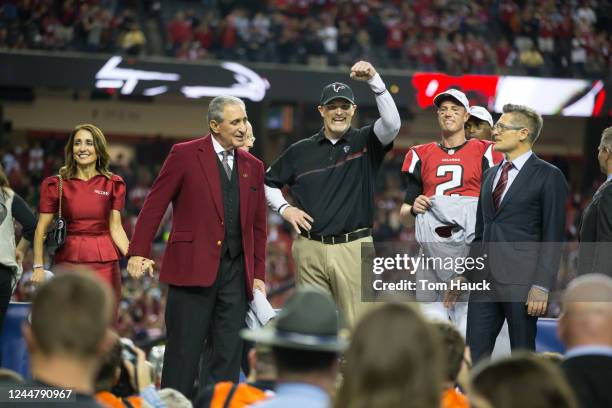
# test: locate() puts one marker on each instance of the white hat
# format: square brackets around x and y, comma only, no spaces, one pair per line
[455,94]
[482,114]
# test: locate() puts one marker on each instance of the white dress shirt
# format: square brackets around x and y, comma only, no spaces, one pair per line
[517,165]
[219,150]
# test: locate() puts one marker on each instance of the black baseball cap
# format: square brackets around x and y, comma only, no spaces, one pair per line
[337,90]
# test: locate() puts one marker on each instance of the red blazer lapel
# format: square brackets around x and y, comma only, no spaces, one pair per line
[244,172]
[207,158]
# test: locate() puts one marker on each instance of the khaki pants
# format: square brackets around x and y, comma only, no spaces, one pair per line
[335,269]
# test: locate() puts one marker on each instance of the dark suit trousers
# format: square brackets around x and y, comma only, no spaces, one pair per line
[194,314]
[486,316]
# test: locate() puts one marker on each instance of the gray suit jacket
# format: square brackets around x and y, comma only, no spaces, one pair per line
[522,239]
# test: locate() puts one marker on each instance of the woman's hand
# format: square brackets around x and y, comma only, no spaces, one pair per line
[38,275]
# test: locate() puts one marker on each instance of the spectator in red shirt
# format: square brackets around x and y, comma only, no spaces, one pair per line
[427,53]
[505,56]
[180,30]
[228,36]
[395,39]
[205,36]
[458,55]
[428,20]
[478,54]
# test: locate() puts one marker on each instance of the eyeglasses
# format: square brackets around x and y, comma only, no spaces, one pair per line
[500,127]
[344,107]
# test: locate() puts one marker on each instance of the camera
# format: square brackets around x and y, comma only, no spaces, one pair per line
[125,387]
[128,353]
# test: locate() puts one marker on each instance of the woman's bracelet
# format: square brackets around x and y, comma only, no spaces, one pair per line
[35,266]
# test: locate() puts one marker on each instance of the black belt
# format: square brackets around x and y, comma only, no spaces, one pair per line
[338,239]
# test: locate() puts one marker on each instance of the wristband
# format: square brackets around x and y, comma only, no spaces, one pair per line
[38,266]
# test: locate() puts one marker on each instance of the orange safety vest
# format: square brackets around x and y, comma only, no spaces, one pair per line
[230,395]
[454,399]
[109,400]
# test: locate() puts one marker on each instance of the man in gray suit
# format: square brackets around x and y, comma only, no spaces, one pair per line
[595,255]
[519,226]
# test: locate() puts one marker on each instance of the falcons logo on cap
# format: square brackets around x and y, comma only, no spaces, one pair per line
[337,87]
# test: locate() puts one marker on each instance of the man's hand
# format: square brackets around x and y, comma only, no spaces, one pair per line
[143,370]
[451,295]
[38,276]
[297,218]
[406,218]
[362,71]
[463,378]
[19,256]
[259,285]
[537,301]
[138,265]
[421,204]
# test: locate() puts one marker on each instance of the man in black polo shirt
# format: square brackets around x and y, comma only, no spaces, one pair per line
[331,177]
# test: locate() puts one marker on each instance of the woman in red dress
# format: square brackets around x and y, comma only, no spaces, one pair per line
[92,199]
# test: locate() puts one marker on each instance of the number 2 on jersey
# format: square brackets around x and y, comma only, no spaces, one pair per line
[456,180]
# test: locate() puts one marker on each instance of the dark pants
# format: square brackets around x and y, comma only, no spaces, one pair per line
[6,290]
[195,314]
[486,314]
[205,375]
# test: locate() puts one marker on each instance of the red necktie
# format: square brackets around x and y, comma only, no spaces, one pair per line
[501,185]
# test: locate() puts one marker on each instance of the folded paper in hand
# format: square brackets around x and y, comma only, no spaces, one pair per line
[260,311]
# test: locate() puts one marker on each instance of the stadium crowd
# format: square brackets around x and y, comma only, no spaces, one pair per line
[539,38]
[394,359]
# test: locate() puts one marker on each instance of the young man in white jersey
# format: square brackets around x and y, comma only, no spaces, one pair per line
[443,182]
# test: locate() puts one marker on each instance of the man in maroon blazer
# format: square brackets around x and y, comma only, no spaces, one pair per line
[216,252]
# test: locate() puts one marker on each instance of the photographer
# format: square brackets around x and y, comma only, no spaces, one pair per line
[125,379]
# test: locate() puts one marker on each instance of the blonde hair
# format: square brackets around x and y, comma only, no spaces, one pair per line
[70,167]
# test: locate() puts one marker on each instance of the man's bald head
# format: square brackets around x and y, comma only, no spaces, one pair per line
[587,312]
